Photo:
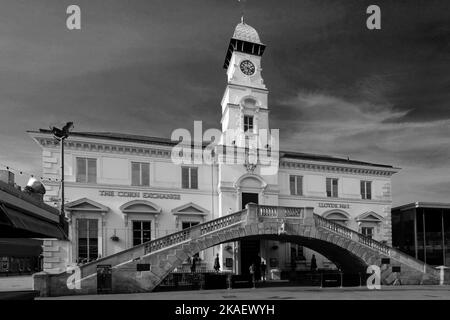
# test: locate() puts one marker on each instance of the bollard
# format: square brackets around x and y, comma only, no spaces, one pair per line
[342,280]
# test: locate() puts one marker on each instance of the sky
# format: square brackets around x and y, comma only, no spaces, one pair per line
[150,66]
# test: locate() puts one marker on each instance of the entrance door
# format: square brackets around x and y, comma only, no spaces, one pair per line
[248,197]
[250,248]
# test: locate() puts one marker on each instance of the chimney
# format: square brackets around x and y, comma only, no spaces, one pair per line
[7,177]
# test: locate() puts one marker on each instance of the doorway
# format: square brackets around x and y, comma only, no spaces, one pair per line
[250,248]
[248,197]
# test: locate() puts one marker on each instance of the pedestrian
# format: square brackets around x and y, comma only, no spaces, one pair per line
[263,270]
[313,263]
[252,270]
[193,266]
[217,263]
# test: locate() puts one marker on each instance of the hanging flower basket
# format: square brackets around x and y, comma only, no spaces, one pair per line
[115,238]
[274,247]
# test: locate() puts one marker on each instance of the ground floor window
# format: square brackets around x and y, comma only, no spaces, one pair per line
[141,232]
[367,231]
[87,240]
[188,224]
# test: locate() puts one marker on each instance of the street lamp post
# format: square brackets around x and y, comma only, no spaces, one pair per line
[61,135]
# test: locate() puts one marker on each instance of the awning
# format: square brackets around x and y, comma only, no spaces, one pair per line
[20,247]
[28,223]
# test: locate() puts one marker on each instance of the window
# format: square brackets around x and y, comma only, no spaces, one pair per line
[87,240]
[141,232]
[140,174]
[189,178]
[296,185]
[332,187]
[367,231]
[86,170]
[188,224]
[248,123]
[366,190]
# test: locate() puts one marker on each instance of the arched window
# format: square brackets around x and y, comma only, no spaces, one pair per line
[337,216]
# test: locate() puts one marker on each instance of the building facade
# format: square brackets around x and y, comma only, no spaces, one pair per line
[122,190]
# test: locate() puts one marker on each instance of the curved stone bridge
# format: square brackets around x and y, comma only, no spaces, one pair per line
[349,250]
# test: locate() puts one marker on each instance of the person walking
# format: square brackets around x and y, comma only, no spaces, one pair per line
[313,263]
[252,274]
[263,270]
[217,263]
[193,265]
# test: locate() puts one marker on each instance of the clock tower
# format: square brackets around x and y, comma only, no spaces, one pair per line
[244,103]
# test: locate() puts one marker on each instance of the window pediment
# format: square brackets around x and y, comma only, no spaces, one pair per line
[369,216]
[190,209]
[338,215]
[140,206]
[86,204]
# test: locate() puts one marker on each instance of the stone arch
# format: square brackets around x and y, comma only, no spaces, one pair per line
[338,216]
[250,180]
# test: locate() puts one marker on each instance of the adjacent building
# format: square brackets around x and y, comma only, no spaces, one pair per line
[422,230]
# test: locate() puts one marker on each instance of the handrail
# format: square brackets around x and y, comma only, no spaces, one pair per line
[351,234]
[186,234]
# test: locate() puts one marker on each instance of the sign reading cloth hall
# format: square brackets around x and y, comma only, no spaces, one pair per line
[138,194]
[334,205]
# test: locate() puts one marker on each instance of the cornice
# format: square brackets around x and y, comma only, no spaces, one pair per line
[336,200]
[103,147]
[336,168]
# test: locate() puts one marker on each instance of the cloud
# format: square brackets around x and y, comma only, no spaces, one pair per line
[362,130]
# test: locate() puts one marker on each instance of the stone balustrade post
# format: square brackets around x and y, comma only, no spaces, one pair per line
[195,232]
[309,216]
[252,213]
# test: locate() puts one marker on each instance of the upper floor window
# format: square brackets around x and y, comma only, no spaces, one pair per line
[296,185]
[332,187]
[140,174]
[366,190]
[189,178]
[248,123]
[86,170]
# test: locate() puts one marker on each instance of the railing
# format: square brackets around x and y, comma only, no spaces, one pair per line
[222,222]
[280,212]
[167,241]
[351,234]
[185,234]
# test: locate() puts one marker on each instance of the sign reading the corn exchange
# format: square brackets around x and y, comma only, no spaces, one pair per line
[138,194]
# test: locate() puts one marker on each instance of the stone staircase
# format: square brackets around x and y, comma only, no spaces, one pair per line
[372,252]
[142,268]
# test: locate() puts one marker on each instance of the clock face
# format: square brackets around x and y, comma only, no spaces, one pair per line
[247,67]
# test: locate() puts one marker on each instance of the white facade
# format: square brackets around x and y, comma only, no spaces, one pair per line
[106,194]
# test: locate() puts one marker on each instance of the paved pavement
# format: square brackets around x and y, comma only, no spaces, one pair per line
[16,283]
[285,293]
